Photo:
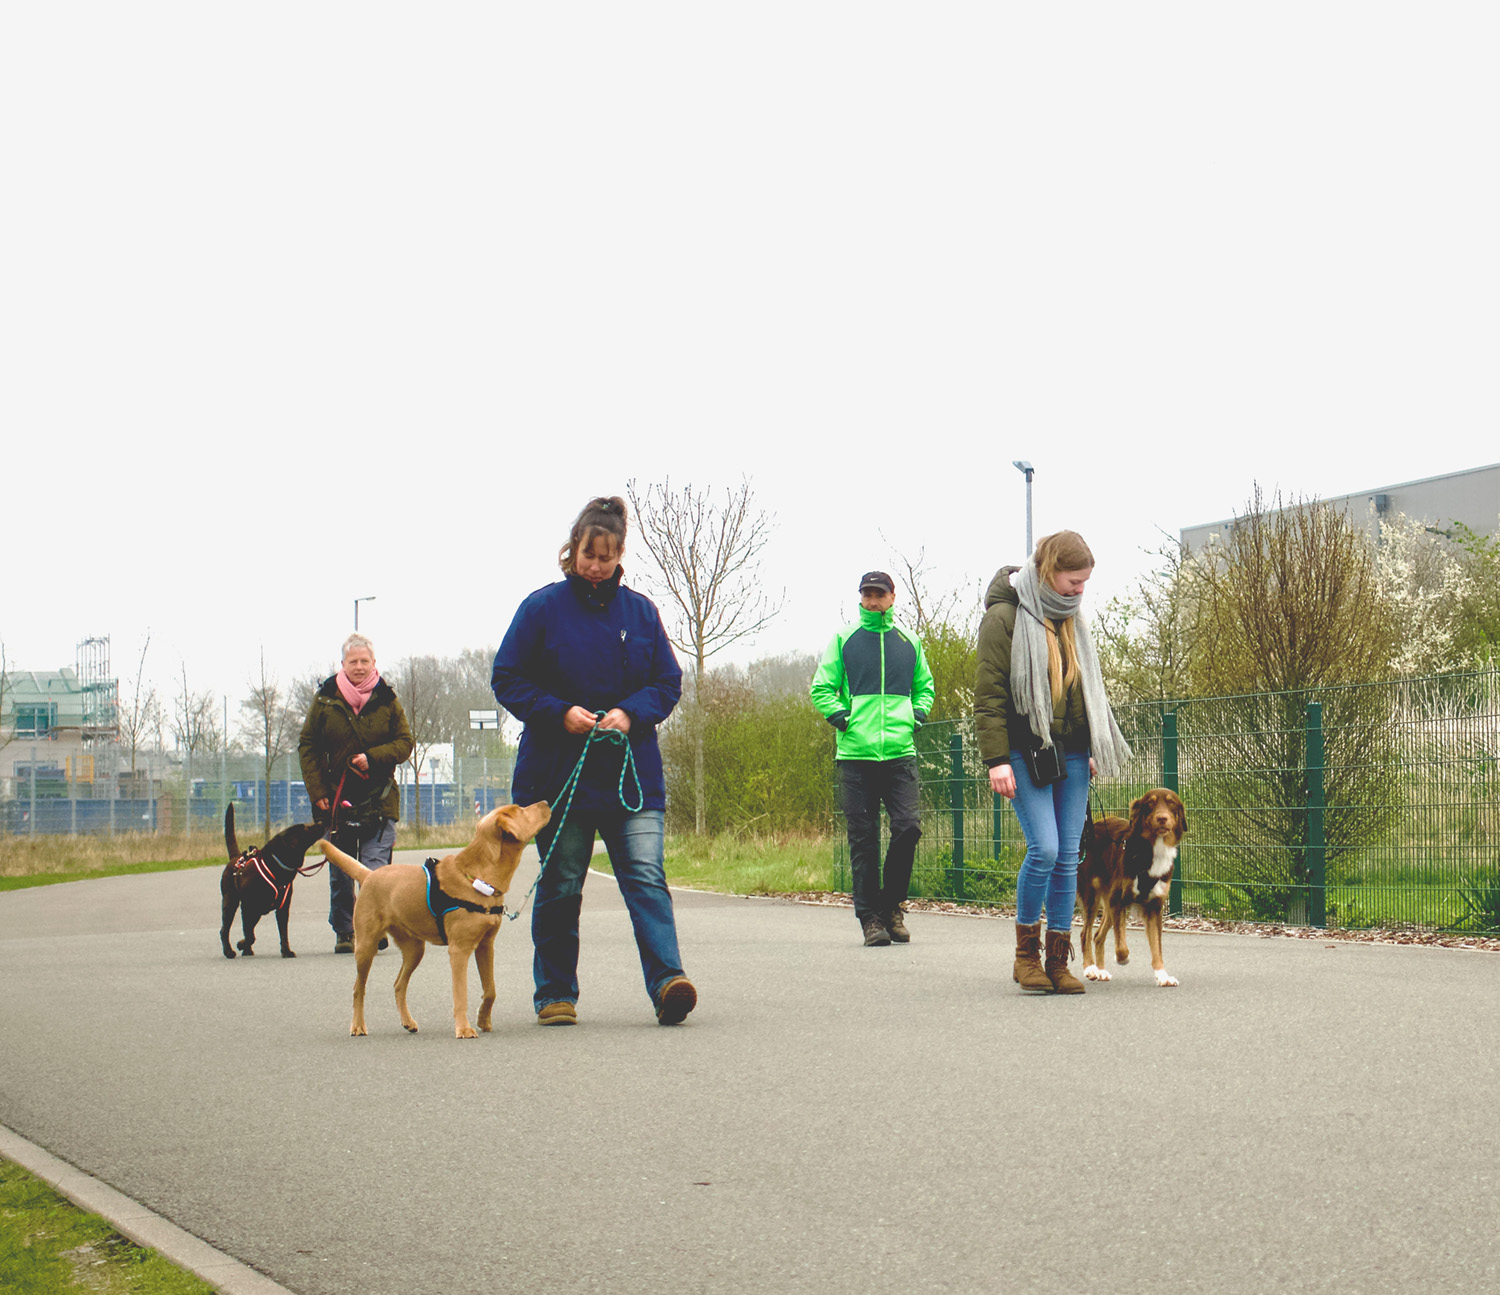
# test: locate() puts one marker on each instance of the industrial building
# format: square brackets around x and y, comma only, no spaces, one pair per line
[1470,498]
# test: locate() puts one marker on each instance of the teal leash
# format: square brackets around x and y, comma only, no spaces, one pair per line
[565,794]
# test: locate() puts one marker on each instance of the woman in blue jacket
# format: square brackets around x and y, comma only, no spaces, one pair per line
[586,653]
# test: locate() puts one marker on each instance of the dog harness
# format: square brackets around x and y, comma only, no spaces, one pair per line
[440,903]
[253,861]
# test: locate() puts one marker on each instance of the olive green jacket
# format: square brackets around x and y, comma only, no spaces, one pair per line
[333,734]
[998,727]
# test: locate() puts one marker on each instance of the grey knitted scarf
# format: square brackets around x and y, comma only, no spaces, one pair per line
[1030,684]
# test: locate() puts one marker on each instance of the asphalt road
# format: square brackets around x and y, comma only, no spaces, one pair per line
[1297,1116]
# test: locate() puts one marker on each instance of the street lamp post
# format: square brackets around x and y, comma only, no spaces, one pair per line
[371,599]
[1023,465]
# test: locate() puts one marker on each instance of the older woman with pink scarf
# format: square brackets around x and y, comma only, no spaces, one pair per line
[354,737]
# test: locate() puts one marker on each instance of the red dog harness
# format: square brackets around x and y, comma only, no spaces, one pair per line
[253,861]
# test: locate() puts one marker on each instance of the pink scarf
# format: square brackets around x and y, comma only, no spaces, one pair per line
[357,694]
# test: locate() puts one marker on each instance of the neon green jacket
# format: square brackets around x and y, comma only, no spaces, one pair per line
[873,685]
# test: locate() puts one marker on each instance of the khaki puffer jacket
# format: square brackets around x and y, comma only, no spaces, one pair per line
[332,734]
[998,727]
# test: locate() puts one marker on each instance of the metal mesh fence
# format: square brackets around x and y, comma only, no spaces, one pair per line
[193,798]
[1361,806]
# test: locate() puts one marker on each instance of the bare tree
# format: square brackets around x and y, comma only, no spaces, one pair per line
[194,719]
[141,712]
[272,723]
[947,622]
[427,687]
[707,559]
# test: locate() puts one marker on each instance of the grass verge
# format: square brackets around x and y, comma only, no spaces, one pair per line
[45,860]
[746,865]
[48,1244]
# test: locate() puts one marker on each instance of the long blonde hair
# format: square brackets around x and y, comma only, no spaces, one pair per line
[1061,551]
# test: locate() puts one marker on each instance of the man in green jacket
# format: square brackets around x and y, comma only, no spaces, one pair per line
[874,687]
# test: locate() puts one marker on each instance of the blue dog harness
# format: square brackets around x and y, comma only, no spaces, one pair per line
[440,903]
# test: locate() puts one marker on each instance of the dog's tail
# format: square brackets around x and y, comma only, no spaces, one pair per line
[231,842]
[345,863]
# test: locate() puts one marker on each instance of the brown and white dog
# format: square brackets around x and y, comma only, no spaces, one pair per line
[458,900]
[1130,861]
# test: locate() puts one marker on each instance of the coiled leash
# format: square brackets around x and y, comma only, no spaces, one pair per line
[565,794]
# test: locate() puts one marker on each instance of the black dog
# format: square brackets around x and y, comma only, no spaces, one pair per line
[257,881]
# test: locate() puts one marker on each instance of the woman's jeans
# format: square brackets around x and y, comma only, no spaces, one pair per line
[1052,820]
[373,853]
[635,844]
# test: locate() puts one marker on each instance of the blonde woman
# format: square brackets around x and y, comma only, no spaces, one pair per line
[1044,728]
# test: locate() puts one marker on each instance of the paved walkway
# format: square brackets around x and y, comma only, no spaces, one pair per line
[1296,1117]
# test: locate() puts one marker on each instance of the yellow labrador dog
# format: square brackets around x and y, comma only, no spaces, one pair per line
[458,901]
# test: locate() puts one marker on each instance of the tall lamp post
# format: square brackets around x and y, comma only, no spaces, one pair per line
[371,598]
[1023,465]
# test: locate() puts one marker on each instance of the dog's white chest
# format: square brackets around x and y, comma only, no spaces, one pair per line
[1163,856]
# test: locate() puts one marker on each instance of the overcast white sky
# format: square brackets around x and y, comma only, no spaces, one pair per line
[303,302]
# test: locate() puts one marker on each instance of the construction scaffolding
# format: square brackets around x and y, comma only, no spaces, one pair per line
[101,692]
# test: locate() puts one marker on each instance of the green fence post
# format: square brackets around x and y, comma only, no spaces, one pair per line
[1317,852]
[956,802]
[1169,781]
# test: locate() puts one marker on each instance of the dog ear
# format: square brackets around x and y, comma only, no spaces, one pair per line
[1139,808]
[1182,817]
[522,822]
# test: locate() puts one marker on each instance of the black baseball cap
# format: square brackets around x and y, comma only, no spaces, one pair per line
[877,580]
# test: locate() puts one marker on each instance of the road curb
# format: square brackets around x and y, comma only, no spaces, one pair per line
[133,1220]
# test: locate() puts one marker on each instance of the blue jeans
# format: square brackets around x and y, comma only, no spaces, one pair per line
[1052,820]
[636,845]
[374,853]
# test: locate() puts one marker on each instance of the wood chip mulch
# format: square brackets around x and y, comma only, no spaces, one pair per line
[1269,931]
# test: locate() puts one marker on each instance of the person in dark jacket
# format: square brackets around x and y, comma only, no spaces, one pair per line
[354,737]
[1038,688]
[584,654]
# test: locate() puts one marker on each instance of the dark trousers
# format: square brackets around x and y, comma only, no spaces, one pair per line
[373,852]
[867,784]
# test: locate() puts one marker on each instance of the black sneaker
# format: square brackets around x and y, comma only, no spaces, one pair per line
[875,933]
[897,927]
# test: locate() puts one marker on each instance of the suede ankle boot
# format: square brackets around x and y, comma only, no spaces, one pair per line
[1028,971]
[1059,950]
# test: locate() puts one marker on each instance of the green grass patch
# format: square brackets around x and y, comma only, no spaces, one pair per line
[746,865]
[114,870]
[45,860]
[48,1245]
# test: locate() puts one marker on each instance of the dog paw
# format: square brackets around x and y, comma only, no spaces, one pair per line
[357,1031]
[287,953]
[467,1032]
[1165,981]
[228,952]
[1095,973]
[1122,957]
[410,1029]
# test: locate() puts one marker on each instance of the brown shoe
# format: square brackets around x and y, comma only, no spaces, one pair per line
[1059,950]
[678,998]
[875,933]
[897,927]
[1028,971]
[561,1013]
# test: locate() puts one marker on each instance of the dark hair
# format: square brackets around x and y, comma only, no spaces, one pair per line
[600,516]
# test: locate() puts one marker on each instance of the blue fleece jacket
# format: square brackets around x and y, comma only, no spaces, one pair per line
[571,644]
